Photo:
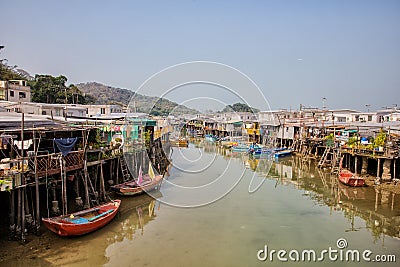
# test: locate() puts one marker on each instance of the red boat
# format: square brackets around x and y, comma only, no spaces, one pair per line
[132,188]
[348,178]
[83,222]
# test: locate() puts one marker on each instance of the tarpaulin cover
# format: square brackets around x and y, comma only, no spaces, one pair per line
[65,145]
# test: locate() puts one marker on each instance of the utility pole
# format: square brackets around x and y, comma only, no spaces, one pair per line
[66,102]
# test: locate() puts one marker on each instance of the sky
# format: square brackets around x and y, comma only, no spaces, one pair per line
[296,52]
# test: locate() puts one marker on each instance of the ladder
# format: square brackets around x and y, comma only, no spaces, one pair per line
[124,169]
[324,157]
[336,161]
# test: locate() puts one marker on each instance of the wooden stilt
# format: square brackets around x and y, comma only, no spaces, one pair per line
[111,168]
[355,165]
[35,148]
[22,190]
[393,195]
[19,211]
[12,214]
[102,186]
[378,171]
[117,170]
[23,214]
[85,182]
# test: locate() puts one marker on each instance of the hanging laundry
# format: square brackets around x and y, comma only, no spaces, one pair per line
[65,145]
[4,142]
[27,143]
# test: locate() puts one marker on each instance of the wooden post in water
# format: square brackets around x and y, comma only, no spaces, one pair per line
[85,170]
[85,182]
[355,164]
[392,206]
[23,214]
[117,170]
[36,148]
[102,186]
[19,210]
[378,171]
[22,190]
[12,213]
[64,185]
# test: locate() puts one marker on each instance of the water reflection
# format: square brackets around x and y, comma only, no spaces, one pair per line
[137,213]
[380,209]
[229,232]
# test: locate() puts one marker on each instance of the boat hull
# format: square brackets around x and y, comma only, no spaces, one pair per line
[63,227]
[180,143]
[128,189]
[283,153]
[348,178]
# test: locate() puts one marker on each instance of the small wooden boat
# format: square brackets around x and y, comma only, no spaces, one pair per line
[240,148]
[348,178]
[180,143]
[83,222]
[132,187]
[144,183]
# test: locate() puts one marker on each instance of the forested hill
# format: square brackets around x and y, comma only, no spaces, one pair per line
[103,94]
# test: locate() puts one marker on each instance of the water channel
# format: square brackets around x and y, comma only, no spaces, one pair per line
[219,208]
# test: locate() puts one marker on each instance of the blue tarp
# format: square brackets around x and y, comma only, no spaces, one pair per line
[65,145]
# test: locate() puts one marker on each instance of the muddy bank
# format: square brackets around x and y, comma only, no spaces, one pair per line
[391,186]
[48,249]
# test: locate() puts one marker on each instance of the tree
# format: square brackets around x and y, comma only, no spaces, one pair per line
[8,72]
[239,107]
[49,89]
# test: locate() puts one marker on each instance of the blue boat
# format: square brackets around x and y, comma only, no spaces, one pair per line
[240,148]
[210,138]
[283,153]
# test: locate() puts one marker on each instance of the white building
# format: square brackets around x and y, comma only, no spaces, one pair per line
[102,110]
[15,90]
[56,110]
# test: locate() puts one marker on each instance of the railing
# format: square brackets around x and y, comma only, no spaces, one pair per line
[365,152]
[50,164]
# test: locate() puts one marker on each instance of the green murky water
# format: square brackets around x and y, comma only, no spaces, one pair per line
[296,207]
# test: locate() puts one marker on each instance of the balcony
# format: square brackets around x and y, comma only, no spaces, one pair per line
[50,164]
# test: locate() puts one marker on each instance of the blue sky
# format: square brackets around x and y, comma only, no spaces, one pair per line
[295,51]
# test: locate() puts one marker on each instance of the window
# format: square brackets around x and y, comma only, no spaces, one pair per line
[22,95]
[369,117]
[103,111]
[11,93]
[44,112]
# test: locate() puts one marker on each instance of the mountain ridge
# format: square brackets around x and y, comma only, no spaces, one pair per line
[106,94]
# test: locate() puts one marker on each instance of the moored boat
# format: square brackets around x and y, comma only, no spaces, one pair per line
[144,183]
[283,153]
[263,151]
[240,147]
[210,138]
[132,188]
[83,222]
[350,179]
[180,142]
